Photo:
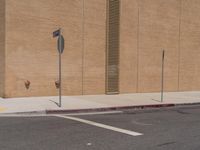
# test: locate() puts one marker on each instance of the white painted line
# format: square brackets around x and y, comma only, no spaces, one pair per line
[132,133]
[94,113]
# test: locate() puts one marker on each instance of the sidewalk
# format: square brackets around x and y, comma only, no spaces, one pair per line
[96,102]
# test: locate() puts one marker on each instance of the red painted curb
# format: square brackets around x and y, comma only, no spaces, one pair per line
[106,109]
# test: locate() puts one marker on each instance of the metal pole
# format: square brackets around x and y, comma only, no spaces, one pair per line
[60,71]
[162,75]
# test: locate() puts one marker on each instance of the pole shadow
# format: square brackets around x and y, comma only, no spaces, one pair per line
[55,102]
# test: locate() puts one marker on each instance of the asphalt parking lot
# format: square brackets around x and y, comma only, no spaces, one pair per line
[152,129]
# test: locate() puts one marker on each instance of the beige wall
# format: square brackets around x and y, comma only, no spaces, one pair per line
[94,46]
[31,51]
[128,46]
[158,29]
[146,27]
[189,78]
[2,46]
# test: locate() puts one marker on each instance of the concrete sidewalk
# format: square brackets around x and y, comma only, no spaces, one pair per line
[95,102]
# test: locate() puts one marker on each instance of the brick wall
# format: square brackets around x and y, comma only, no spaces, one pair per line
[2,46]
[146,27]
[31,51]
[189,73]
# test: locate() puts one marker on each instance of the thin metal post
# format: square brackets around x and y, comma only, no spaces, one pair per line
[60,98]
[162,75]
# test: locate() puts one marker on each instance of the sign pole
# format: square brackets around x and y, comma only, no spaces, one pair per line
[60,85]
[162,75]
[60,46]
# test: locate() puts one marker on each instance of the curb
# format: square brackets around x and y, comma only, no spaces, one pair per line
[91,110]
[41,112]
[183,104]
[107,109]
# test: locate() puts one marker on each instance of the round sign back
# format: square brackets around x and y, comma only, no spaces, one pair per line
[61,44]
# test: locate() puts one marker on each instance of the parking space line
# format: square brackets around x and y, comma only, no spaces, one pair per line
[132,133]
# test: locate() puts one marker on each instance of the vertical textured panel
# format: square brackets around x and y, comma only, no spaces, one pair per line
[128,45]
[159,29]
[31,52]
[94,46]
[190,46]
[113,46]
[2,47]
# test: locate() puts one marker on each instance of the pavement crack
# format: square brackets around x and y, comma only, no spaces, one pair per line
[183,112]
[140,123]
[167,143]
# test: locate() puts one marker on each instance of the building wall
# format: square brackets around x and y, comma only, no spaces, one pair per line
[2,46]
[158,30]
[32,55]
[189,74]
[128,46]
[94,48]
[31,52]
[146,28]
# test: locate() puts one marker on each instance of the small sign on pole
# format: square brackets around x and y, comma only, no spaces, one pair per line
[56,33]
[61,44]
[60,47]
